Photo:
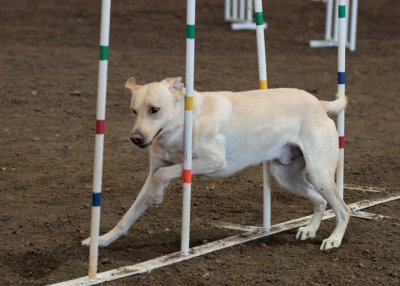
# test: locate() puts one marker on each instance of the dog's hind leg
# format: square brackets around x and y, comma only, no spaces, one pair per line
[150,195]
[327,188]
[292,178]
[320,152]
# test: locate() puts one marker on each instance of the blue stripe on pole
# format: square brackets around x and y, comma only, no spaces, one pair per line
[341,77]
[96,199]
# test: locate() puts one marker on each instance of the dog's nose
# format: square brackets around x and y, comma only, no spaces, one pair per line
[137,138]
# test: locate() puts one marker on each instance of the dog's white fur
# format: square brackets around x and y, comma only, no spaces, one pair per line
[289,128]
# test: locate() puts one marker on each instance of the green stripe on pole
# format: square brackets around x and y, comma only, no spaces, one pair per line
[190,31]
[342,11]
[103,53]
[259,18]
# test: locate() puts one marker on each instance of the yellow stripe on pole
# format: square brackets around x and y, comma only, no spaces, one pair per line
[189,103]
[263,84]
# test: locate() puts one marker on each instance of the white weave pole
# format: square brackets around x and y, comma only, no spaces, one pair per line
[262,73]
[235,9]
[328,20]
[249,11]
[99,144]
[353,25]
[227,10]
[336,23]
[342,36]
[242,10]
[188,125]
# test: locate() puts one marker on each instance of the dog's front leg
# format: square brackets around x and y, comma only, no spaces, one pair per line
[142,202]
[152,193]
[200,166]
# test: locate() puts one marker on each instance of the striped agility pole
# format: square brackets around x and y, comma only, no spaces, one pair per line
[99,145]
[262,71]
[341,12]
[188,126]
[262,62]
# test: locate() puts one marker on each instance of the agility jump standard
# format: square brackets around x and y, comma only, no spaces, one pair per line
[331,26]
[188,128]
[240,14]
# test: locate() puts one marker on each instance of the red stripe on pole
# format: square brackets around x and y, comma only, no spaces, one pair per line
[100,126]
[187,176]
[341,142]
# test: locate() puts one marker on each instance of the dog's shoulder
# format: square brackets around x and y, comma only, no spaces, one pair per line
[214,109]
[216,102]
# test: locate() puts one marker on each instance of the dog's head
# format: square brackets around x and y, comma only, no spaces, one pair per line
[154,106]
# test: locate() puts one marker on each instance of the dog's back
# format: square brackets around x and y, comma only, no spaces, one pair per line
[261,120]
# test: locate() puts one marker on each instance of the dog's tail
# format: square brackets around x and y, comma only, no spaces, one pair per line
[336,106]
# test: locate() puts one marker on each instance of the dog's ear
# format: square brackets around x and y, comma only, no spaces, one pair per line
[131,84]
[174,83]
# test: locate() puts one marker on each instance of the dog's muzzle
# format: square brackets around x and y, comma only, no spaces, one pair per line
[138,139]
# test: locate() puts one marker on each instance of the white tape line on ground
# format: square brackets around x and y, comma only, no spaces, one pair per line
[364,189]
[370,216]
[355,207]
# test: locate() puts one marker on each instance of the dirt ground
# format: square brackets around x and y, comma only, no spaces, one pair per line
[48,83]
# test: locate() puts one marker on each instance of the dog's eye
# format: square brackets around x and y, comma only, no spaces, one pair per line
[153,110]
[134,112]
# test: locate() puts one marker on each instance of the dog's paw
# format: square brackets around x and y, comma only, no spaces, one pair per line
[103,241]
[85,242]
[305,233]
[330,243]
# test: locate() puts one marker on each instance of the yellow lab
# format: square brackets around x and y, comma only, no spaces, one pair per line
[288,127]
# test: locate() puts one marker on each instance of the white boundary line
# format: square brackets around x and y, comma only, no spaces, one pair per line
[364,189]
[370,216]
[176,257]
[327,215]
